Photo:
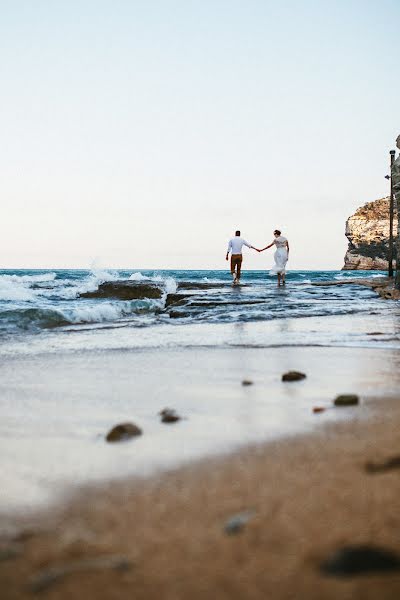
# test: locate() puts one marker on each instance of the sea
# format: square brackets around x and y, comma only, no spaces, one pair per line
[72,367]
[42,310]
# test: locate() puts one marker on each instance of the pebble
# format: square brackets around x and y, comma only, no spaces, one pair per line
[318,409]
[236,523]
[293,376]
[356,560]
[169,415]
[122,432]
[8,552]
[48,577]
[247,382]
[387,465]
[346,400]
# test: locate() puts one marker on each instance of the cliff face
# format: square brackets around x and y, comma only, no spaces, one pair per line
[368,234]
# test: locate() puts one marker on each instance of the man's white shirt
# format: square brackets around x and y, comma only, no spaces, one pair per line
[236,244]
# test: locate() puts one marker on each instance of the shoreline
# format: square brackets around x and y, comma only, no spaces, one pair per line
[57,409]
[383,286]
[304,498]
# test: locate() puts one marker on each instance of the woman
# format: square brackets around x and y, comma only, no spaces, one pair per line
[281,256]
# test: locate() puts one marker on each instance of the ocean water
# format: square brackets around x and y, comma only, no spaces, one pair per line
[43,310]
[72,367]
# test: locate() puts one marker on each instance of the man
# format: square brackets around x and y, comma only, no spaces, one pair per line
[235,246]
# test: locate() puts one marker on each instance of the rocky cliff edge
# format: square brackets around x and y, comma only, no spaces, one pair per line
[368,233]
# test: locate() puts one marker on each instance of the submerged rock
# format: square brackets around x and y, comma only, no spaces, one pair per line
[175,299]
[169,415]
[346,400]
[200,285]
[293,376]
[125,290]
[122,432]
[178,314]
[247,382]
[356,560]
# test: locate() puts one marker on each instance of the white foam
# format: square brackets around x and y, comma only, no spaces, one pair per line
[13,287]
[168,282]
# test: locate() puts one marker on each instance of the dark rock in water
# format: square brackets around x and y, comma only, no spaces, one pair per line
[247,382]
[387,465]
[346,400]
[178,314]
[169,415]
[52,575]
[199,285]
[293,376]
[318,409]
[122,432]
[237,522]
[175,299]
[125,290]
[357,560]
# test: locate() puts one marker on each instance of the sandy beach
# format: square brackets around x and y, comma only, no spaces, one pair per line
[294,500]
[308,497]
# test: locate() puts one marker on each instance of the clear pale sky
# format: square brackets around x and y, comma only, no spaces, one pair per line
[142,133]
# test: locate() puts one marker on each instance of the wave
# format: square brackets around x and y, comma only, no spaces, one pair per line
[45,318]
[168,282]
[12,288]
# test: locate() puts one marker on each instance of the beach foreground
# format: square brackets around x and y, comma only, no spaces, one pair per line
[307,496]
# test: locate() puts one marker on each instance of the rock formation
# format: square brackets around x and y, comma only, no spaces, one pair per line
[368,233]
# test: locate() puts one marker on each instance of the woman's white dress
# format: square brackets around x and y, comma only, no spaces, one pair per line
[280,256]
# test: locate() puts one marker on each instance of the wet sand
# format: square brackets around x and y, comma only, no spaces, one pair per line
[308,496]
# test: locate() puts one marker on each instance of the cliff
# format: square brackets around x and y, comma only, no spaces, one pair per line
[368,233]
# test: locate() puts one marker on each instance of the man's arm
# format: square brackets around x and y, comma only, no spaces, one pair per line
[229,249]
[249,245]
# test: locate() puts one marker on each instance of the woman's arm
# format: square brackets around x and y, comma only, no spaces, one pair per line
[266,247]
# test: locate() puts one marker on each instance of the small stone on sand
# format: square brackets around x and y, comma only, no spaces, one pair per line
[247,382]
[169,415]
[356,560]
[293,376]
[236,523]
[346,400]
[387,465]
[122,432]
[48,577]
[318,409]
[8,552]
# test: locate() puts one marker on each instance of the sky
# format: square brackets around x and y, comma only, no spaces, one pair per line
[142,134]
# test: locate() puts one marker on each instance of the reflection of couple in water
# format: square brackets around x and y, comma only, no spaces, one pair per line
[281,255]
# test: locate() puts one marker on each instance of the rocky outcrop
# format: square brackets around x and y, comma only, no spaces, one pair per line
[368,234]
[125,290]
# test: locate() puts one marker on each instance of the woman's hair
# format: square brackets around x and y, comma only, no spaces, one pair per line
[277,232]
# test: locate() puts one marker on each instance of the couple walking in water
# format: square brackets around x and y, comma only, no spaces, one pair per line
[281,255]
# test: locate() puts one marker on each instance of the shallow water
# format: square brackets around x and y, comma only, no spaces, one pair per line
[42,310]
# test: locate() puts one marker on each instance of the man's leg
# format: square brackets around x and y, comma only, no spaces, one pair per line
[239,267]
[233,265]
